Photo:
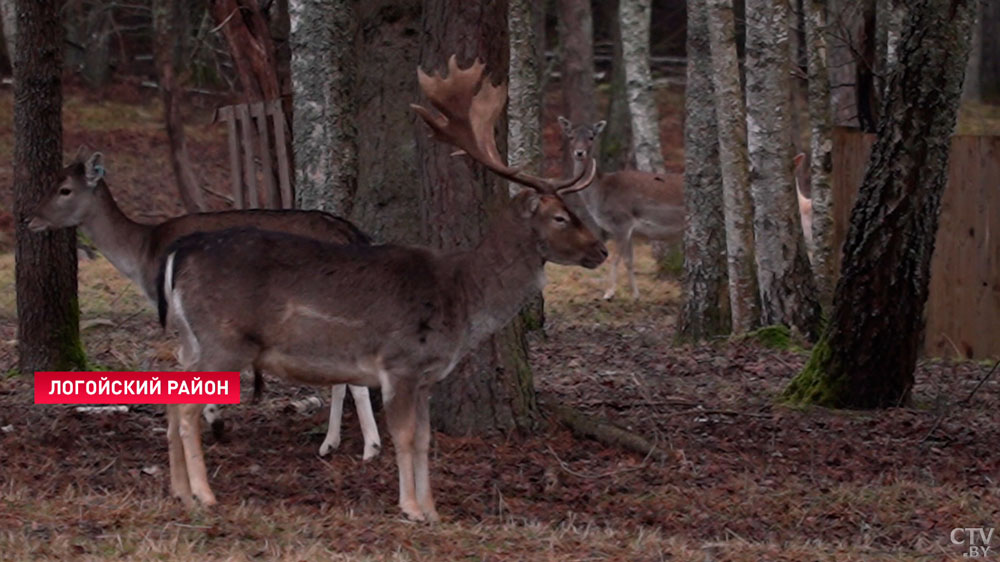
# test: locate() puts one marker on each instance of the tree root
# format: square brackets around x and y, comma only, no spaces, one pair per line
[602,431]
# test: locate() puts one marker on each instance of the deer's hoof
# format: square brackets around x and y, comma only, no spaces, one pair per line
[371,451]
[328,446]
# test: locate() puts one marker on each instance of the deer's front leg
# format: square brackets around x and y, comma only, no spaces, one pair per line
[421,462]
[613,276]
[400,412]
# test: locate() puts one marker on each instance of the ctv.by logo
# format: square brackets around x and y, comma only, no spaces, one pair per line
[978,539]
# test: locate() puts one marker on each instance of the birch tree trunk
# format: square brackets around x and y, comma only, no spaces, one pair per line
[787,292]
[493,389]
[634,19]
[821,148]
[323,79]
[524,110]
[576,50]
[706,305]
[867,355]
[733,159]
[48,315]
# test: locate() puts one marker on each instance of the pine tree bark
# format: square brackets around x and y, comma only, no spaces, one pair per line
[733,159]
[706,306]
[821,147]
[576,51]
[634,18]
[493,389]
[387,203]
[867,355]
[787,292]
[325,131]
[8,12]
[48,315]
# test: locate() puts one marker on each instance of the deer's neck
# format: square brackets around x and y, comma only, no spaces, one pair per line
[499,276]
[118,237]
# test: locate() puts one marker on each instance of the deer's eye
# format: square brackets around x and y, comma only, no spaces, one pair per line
[65,191]
[560,219]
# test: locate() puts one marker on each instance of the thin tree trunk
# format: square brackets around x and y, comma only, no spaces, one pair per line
[576,49]
[493,389]
[634,18]
[524,110]
[787,292]
[249,38]
[706,306]
[738,206]
[821,147]
[616,140]
[868,353]
[325,132]
[8,11]
[48,315]
[989,69]
[387,203]
[168,21]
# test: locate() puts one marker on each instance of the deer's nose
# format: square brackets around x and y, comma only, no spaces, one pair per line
[580,153]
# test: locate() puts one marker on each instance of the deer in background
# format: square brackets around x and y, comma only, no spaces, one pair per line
[805,205]
[396,317]
[625,203]
[81,198]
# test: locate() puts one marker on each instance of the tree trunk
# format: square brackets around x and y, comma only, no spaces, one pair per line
[48,316]
[706,311]
[325,132]
[737,204]
[989,69]
[868,353]
[821,147]
[634,16]
[387,202]
[249,38]
[787,292]
[168,22]
[616,140]
[576,50]
[492,390]
[8,12]
[524,110]
[843,18]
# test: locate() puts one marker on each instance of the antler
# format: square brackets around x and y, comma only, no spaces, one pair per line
[466,119]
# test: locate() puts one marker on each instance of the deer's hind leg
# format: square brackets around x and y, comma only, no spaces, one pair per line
[622,238]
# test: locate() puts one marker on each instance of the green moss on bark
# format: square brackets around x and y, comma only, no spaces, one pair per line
[820,382]
[70,354]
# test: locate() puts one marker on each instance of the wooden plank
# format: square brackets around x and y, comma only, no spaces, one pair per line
[963,302]
[249,166]
[269,196]
[281,138]
[226,114]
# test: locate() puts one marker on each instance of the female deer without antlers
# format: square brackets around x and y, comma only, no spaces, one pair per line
[82,198]
[396,317]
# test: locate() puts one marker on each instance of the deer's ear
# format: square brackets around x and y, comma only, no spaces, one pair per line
[599,126]
[567,127]
[532,201]
[94,168]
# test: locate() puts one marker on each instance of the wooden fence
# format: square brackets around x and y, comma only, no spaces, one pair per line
[259,164]
[963,306]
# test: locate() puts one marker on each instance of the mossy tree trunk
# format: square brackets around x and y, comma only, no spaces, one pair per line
[48,315]
[493,389]
[706,304]
[867,355]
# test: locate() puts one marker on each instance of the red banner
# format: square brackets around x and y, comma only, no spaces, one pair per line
[136,387]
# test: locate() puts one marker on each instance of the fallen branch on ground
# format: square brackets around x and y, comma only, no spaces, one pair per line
[602,431]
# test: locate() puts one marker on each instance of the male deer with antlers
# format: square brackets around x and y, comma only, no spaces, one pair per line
[82,198]
[627,202]
[396,317]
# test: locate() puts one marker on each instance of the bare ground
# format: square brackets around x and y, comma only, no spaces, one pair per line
[746,479]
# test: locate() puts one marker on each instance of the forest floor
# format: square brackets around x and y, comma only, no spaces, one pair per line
[745,479]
